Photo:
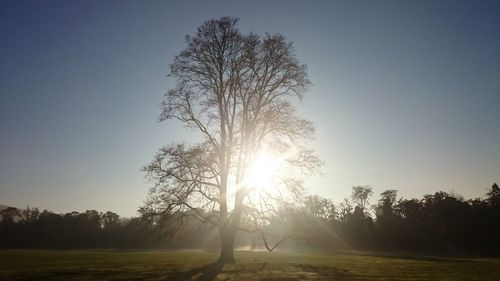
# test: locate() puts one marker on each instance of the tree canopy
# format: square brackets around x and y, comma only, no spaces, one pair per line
[237,92]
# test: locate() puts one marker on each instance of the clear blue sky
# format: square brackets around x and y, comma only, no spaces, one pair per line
[406,94]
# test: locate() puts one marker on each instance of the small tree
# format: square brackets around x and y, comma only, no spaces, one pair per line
[493,196]
[386,215]
[321,208]
[385,207]
[360,195]
[235,91]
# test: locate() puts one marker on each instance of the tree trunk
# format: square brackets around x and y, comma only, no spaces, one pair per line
[228,236]
[229,231]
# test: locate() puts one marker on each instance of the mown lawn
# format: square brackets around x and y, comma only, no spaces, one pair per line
[180,265]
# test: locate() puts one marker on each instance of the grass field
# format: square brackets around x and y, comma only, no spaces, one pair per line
[115,265]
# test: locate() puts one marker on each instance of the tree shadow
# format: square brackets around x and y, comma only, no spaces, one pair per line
[204,273]
[328,272]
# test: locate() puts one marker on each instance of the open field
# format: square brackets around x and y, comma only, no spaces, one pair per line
[156,265]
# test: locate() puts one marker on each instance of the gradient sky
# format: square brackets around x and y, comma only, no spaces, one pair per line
[406,94]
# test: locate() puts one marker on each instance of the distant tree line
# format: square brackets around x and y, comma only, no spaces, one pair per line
[31,228]
[437,223]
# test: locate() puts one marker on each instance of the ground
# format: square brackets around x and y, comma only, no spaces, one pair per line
[192,265]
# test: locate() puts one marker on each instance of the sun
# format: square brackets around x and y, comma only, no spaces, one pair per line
[262,172]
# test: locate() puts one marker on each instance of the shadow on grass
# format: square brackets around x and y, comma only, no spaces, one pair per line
[204,273]
[234,271]
[262,271]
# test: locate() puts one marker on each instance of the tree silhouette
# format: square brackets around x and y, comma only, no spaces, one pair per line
[360,195]
[236,91]
[493,196]
[439,223]
[387,216]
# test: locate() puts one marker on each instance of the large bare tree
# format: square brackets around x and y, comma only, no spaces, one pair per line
[237,91]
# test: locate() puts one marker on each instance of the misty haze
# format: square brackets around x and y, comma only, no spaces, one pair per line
[249,140]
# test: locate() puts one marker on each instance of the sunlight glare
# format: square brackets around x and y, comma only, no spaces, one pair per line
[262,171]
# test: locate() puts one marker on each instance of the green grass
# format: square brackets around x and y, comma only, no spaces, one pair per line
[180,265]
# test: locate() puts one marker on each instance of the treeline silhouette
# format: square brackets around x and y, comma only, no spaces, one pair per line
[439,223]
[31,228]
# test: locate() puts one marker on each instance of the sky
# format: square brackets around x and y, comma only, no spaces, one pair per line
[405,95]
